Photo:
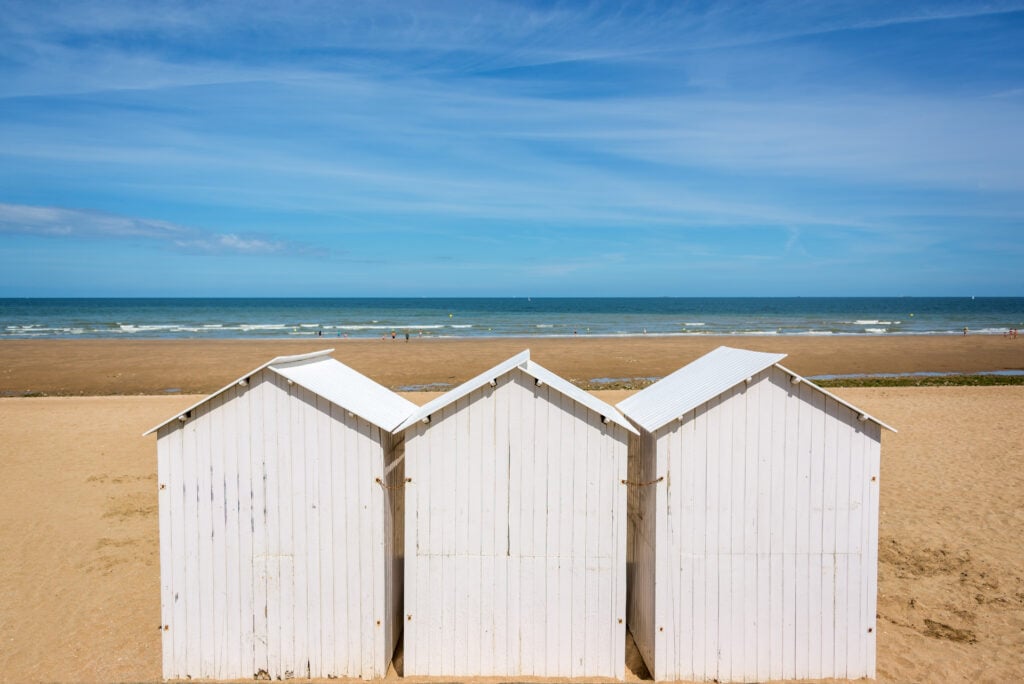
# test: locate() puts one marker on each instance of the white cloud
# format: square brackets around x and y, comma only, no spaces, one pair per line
[57,222]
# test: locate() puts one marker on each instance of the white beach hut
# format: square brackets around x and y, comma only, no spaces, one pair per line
[280,543]
[515,529]
[753,553]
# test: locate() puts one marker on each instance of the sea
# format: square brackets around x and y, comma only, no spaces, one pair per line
[218,318]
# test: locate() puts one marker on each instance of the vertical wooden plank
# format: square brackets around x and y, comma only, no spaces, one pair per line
[552,475]
[803,547]
[565,568]
[230,540]
[855,617]
[285,624]
[844,434]
[410,612]
[244,558]
[434,549]
[603,464]
[370,605]
[538,409]
[816,401]
[449,486]
[259,408]
[525,656]
[592,528]
[873,449]
[681,533]
[698,531]
[730,540]
[372,455]
[204,463]
[218,534]
[579,539]
[619,562]
[276,412]
[744,525]
[773,398]
[828,539]
[354,631]
[342,464]
[516,496]
[324,555]
[668,560]
[760,437]
[711,612]
[193,578]
[502,504]
[179,458]
[867,618]
[790,521]
[298,504]
[488,463]
[462,484]
[752,599]
[163,468]
[313,659]
[473,456]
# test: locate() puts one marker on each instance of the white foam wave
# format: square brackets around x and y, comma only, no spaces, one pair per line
[461,326]
[696,324]
[262,326]
[875,330]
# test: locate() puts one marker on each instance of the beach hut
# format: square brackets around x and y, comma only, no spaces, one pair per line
[280,538]
[515,529]
[753,551]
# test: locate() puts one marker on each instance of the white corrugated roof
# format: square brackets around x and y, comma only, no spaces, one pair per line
[703,380]
[523,362]
[332,380]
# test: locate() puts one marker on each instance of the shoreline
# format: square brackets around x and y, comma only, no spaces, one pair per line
[197,366]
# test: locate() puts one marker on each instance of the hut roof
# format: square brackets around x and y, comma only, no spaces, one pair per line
[704,379]
[332,380]
[522,362]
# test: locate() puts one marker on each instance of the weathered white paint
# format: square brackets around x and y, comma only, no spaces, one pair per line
[515,534]
[280,551]
[756,557]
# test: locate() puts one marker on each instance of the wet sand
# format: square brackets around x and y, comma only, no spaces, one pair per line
[99,367]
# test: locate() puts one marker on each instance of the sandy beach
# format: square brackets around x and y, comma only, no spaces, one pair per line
[79,571]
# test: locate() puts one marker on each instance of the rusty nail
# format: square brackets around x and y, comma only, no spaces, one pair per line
[408,617]
[620,621]
[661,629]
[378,623]
[163,486]
[873,478]
[870,630]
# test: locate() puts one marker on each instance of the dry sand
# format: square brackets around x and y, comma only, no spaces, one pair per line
[79,571]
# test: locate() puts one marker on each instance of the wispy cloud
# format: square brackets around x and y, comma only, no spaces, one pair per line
[55,222]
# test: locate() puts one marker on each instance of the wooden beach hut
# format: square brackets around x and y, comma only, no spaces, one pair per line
[515,529]
[753,552]
[280,541]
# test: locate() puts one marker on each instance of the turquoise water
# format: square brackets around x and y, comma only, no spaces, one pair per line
[511,317]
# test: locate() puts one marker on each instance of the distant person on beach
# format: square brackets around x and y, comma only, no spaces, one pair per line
[406,335]
[395,336]
[965,331]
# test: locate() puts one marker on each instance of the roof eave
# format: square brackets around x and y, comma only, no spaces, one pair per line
[277,360]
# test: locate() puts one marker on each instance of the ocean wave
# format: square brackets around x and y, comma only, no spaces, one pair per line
[694,325]
[467,325]
[262,326]
[875,330]
[394,327]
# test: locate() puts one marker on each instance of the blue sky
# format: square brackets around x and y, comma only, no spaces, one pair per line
[490,148]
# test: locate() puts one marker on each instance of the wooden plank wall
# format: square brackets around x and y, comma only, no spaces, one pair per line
[515,537]
[770,540]
[274,537]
